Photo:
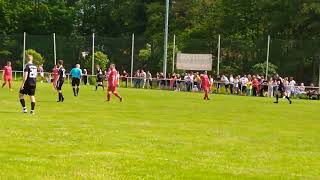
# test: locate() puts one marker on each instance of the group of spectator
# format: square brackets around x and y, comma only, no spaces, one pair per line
[246,85]
[255,85]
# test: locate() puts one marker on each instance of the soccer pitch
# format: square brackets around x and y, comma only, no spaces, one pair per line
[157,135]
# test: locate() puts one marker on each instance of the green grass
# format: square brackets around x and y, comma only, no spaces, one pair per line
[158,135]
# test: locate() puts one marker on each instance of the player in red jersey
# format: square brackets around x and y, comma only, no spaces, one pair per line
[55,76]
[205,84]
[7,75]
[112,83]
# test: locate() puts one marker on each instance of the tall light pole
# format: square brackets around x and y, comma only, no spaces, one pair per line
[166,27]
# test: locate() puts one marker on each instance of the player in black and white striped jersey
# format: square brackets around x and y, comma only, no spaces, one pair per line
[279,89]
[62,76]
[28,86]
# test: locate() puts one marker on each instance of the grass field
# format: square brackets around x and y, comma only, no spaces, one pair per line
[158,135]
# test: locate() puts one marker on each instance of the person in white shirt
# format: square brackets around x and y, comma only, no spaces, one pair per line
[292,85]
[244,81]
[188,81]
[192,77]
[225,81]
[149,80]
[231,83]
[143,76]
[236,84]
[270,87]
[287,88]
[211,82]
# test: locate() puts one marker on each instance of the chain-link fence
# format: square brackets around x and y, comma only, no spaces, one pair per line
[292,58]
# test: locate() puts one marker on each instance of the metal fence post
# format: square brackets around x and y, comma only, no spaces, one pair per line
[268,54]
[92,70]
[173,53]
[219,48]
[54,49]
[132,57]
[24,50]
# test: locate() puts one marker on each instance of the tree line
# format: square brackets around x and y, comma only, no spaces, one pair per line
[243,25]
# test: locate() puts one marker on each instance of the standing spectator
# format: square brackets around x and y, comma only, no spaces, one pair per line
[149,80]
[255,86]
[158,79]
[249,86]
[236,85]
[187,79]
[173,81]
[263,87]
[162,80]
[218,83]
[137,79]
[197,80]
[231,83]
[178,82]
[211,82]
[270,87]
[41,72]
[192,79]
[85,76]
[292,85]
[124,78]
[287,89]
[143,76]
[225,81]
[244,80]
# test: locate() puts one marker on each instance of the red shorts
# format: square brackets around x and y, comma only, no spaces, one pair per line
[112,88]
[8,78]
[206,88]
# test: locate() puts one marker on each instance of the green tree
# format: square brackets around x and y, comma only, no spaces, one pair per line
[37,57]
[260,68]
[100,59]
[145,53]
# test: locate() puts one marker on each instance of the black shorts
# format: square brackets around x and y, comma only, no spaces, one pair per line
[99,80]
[244,88]
[28,90]
[75,82]
[60,84]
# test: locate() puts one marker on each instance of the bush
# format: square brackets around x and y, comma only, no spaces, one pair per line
[37,57]
[92,80]
[100,59]
[260,68]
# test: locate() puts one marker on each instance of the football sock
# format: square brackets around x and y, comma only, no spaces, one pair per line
[23,103]
[117,95]
[33,104]
[78,90]
[287,97]
[60,96]
[74,91]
